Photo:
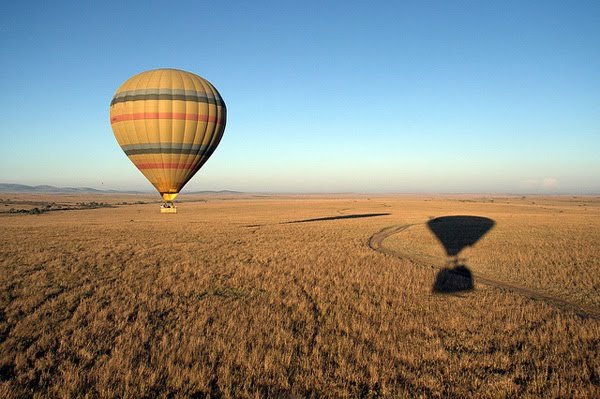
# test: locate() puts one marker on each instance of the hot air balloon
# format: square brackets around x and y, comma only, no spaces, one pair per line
[168,122]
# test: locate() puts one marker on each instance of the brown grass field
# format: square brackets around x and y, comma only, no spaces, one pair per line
[228,299]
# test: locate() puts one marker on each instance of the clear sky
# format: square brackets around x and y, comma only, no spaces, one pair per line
[325,96]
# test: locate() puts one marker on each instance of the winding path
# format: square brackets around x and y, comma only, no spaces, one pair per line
[376,243]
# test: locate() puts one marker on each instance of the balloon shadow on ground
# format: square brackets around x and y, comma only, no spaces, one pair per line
[455,233]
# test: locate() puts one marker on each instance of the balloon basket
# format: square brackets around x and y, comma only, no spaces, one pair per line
[168,208]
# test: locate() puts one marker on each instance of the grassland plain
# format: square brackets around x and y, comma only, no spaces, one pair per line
[229,299]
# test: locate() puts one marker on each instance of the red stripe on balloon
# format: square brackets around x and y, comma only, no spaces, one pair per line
[164,115]
[167,165]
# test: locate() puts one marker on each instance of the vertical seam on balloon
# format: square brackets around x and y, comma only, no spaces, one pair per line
[176,76]
[160,140]
[189,157]
[118,128]
[179,172]
[212,131]
[219,127]
[133,123]
[197,82]
[169,171]
[154,178]
[127,128]
[216,129]
[202,151]
[206,148]
[194,158]
[159,172]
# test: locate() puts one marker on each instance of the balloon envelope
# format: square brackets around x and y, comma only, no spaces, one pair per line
[168,122]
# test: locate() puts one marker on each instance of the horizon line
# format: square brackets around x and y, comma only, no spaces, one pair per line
[105,191]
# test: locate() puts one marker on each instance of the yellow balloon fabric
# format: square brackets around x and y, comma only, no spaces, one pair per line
[168,122]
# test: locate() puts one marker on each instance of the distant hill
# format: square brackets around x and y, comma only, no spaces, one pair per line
[213,192]
[22,188]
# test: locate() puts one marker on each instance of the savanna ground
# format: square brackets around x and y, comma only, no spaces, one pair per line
[228,299]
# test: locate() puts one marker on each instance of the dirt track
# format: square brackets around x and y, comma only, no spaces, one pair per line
[376,242]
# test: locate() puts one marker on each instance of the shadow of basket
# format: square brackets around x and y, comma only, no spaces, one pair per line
[455,279]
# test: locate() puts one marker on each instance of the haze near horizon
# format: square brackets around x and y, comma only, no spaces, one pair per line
[336,97]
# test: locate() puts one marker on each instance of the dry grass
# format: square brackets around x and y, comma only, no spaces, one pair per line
[222,300]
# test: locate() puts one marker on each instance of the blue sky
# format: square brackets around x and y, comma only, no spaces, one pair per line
[500,97]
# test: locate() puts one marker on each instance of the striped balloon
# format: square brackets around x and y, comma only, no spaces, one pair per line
[168,122]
